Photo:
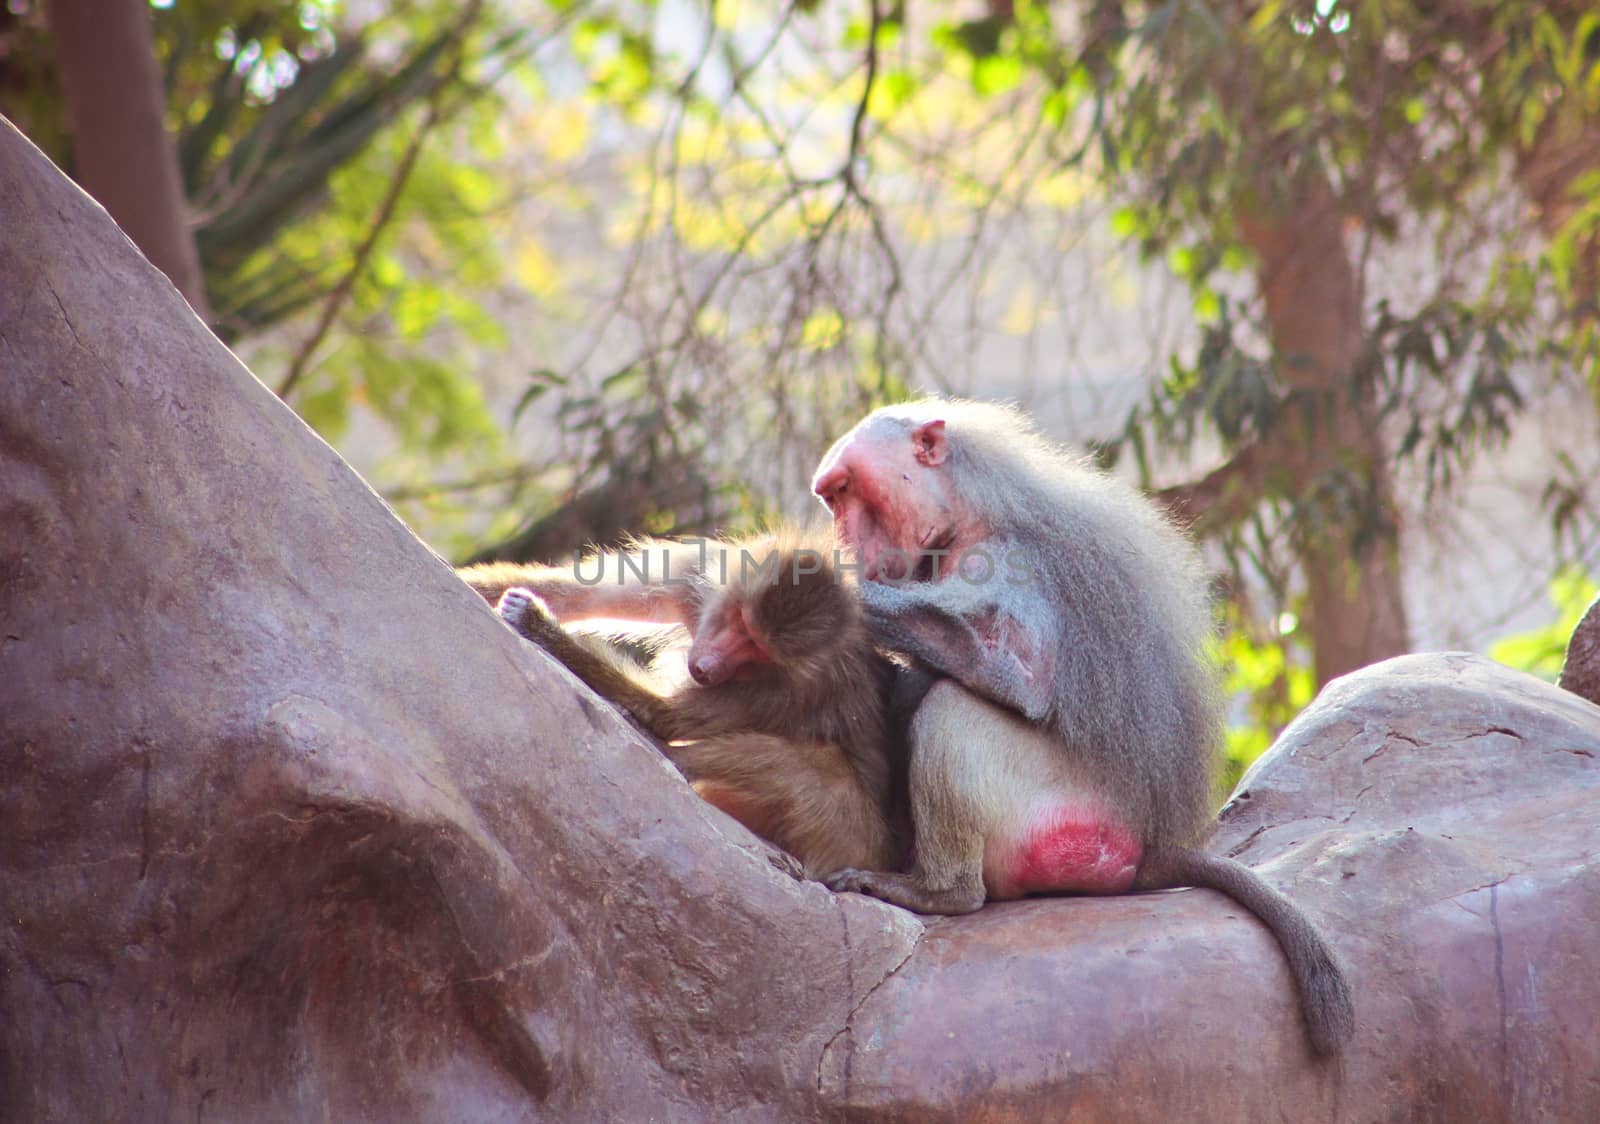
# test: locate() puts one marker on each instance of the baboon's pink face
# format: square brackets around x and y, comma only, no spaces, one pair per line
[887,489]
[726,646]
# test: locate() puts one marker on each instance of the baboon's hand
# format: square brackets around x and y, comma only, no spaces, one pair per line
[909,891]
[850,881]
[525,611]
[786,863]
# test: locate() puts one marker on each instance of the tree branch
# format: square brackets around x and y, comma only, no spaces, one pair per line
[1223,496]
[341,292]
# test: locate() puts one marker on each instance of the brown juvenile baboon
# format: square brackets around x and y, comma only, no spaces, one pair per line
[790,725]
[1065,597]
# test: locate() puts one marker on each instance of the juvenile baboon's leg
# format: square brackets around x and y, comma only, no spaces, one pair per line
[803,796]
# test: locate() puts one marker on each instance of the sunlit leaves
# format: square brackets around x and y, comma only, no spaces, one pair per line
[996,74]
[822,330]
[563,130]
[1541,651]
[891,92]
[1066,189]
[534,268]
[621,60]
[416,309]
[858,28]
[1269,672]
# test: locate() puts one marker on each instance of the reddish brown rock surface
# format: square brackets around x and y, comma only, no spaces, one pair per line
[292,828]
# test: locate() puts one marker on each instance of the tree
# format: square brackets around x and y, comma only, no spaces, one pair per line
[793,215]
[126,158]
[308,166]
[1279,129]
[1292,162]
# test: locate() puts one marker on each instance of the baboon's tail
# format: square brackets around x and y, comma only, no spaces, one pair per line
[1319,975]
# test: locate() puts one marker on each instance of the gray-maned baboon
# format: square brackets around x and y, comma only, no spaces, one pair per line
[1068,599]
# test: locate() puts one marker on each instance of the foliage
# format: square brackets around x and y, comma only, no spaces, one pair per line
[1540,651]
[1413,116]
[303,150]
[596,266]
[802,170]
[1268,674]
[294,122]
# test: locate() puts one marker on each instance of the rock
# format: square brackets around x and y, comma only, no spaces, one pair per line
[293,828]
[1439,815]
[1580,671]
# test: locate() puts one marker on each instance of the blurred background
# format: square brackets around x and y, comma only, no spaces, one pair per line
[1320,275]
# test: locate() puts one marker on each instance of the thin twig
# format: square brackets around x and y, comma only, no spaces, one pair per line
[521,474]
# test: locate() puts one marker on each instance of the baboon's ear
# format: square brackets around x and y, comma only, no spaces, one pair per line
[929,442]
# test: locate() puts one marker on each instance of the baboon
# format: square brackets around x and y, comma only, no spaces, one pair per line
[794,724]
[1065,597]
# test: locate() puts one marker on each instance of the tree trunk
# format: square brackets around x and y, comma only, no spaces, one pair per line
[293,828]
[123,153]
[1356,601]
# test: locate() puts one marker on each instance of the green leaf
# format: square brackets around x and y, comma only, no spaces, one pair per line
[996,74]
[893,90]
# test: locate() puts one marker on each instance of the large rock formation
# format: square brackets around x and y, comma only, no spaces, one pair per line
[292,828]
[291,824]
